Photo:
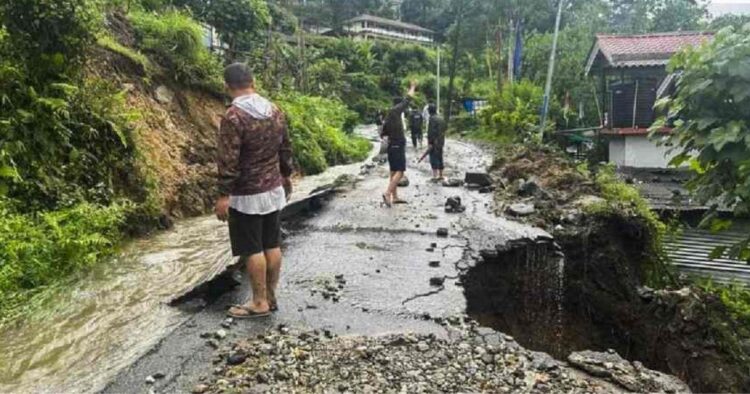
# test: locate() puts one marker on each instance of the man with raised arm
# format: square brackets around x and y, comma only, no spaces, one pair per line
[394,138]
[255,162]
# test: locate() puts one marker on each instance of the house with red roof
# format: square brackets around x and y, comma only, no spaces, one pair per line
[632,72]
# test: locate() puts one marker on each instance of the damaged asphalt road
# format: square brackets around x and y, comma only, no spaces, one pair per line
[353,268]
[383,257]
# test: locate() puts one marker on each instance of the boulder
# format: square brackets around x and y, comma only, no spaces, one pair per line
[633,377]
[163,95]
[480,179]
[520,209]
[404,182]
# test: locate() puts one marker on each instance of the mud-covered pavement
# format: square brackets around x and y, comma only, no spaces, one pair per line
[353,269]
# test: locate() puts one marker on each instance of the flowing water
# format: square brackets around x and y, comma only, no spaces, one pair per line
[104,321]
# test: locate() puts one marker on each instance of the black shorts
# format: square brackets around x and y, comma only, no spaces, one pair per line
[253,234]
[397,157]
[436,159]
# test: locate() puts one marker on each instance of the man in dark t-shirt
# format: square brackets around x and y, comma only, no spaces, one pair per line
[394,138]
[436,141]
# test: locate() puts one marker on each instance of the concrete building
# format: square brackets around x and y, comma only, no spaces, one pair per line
[633,75]
[367,27]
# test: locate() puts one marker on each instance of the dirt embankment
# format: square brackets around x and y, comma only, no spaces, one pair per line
[175,128]
[587,288]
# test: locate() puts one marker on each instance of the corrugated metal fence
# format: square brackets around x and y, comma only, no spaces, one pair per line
[691,249]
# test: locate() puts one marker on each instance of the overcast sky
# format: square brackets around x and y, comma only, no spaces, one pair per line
[718,7]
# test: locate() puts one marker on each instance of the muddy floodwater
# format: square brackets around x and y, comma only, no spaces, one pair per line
[114,314]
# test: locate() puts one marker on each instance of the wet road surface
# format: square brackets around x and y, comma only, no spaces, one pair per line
[103,321]
[382,254]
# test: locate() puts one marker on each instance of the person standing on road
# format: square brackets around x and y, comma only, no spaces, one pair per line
[255,164]
[393,137]
[415,124]
[436,141]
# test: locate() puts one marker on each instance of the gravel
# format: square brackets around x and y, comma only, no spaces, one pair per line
[313,362]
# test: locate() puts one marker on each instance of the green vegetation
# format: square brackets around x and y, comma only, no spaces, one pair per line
[712,130]
[40,249]
[176,42]
[513,113]
[625,200]
[316,127]
[109,43]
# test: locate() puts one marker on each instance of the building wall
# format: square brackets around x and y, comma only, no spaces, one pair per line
[617,151]
[638,151]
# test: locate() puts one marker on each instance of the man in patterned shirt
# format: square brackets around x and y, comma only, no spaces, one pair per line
[255,162]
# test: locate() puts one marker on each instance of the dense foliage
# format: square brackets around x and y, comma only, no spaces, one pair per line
[316,127]
[239,22]
[40,249]
[513,113]
[712,126]
[176,41]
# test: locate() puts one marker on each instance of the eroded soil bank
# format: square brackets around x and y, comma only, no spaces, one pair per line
[586,289]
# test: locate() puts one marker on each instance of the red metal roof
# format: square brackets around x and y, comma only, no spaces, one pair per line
[642,50]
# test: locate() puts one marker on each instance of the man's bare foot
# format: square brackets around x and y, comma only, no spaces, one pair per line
[387,200]
[249,310]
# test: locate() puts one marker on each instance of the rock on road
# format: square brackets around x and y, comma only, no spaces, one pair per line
[354,269]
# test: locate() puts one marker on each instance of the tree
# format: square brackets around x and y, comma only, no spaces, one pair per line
[51,35]
[737,21]
[641,16]
[239,22]
[712,132]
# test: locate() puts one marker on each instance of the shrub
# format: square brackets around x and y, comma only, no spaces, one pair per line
[326,78]
[364,96]
[317,128]
[176,40]
[51,36]
[37,250]
[109,43]
[513,113]
[625,200]
[67,143]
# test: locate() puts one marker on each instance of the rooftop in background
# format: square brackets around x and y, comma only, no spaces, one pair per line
[719,9]
[368,27]
[388,22]
[640,50]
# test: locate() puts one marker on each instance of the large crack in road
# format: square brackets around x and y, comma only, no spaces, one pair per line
[355,268]
[383,254]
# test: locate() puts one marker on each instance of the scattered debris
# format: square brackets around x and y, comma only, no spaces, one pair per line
[453,205]
[474,361]
[479,179]
[633,377]
[442,232]
[452,182]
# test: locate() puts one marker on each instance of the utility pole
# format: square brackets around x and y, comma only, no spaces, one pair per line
[550,71]
[438,79]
